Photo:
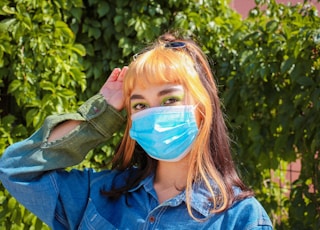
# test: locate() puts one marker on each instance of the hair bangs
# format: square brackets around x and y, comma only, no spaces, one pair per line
[159,66]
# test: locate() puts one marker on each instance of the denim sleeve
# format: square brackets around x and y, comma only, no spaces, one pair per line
[30,158]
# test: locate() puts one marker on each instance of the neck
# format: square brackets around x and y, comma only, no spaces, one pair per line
[170,178]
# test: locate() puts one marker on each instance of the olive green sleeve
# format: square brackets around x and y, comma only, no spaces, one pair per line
[32,156]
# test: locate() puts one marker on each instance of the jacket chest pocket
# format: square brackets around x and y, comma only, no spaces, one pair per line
[93,220]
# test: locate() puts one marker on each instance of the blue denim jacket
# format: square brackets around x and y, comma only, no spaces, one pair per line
[32,171]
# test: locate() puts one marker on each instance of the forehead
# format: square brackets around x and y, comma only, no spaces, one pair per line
[156,89]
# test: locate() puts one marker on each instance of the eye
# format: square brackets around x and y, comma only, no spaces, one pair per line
[172,100]
[139,106]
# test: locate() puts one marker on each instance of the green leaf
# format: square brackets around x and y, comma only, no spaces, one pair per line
[76,74]
[31,116]
[12,203]
[103,8]
[14,86]
[45,85]
[79,49]
[287,65]
[8,10]
[305,81]
[77,3]
[94,32]
[65,93]
[272,26]
[7,24]
[77,13]
[64,28]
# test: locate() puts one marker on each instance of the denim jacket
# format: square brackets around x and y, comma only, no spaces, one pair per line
[33,172]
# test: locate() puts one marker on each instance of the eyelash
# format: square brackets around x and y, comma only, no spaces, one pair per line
[165,102]
[171,99]
[135,106]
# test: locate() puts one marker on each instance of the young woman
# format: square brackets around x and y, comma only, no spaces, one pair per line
[173,168]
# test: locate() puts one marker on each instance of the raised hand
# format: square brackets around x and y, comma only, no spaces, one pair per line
[112,88]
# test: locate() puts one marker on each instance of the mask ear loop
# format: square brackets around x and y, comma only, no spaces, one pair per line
[197,108]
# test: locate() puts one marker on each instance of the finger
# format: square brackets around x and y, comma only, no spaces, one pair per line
[114,74]
[122,73]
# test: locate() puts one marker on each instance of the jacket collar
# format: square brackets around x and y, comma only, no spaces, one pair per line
[201,200]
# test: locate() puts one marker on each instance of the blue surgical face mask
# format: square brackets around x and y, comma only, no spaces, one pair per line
[166,133]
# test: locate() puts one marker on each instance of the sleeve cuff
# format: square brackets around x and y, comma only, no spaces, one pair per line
[102,116]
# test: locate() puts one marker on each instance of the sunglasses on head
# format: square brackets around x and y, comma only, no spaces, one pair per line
[169,45]
[175,45]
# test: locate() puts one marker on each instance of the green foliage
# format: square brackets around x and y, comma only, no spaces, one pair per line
[56,54]
[272,97]
[40,59]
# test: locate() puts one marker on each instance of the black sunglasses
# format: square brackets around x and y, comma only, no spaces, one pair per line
[175,45]
[170,45]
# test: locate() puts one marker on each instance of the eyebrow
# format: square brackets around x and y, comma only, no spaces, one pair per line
[169,90]
[136,96]
[161,93]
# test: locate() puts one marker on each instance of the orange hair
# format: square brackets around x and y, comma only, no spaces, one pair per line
[210,157]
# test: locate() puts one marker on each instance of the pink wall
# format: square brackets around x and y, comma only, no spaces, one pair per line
[243,6]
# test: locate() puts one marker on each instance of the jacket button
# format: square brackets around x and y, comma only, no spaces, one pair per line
[152,219]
